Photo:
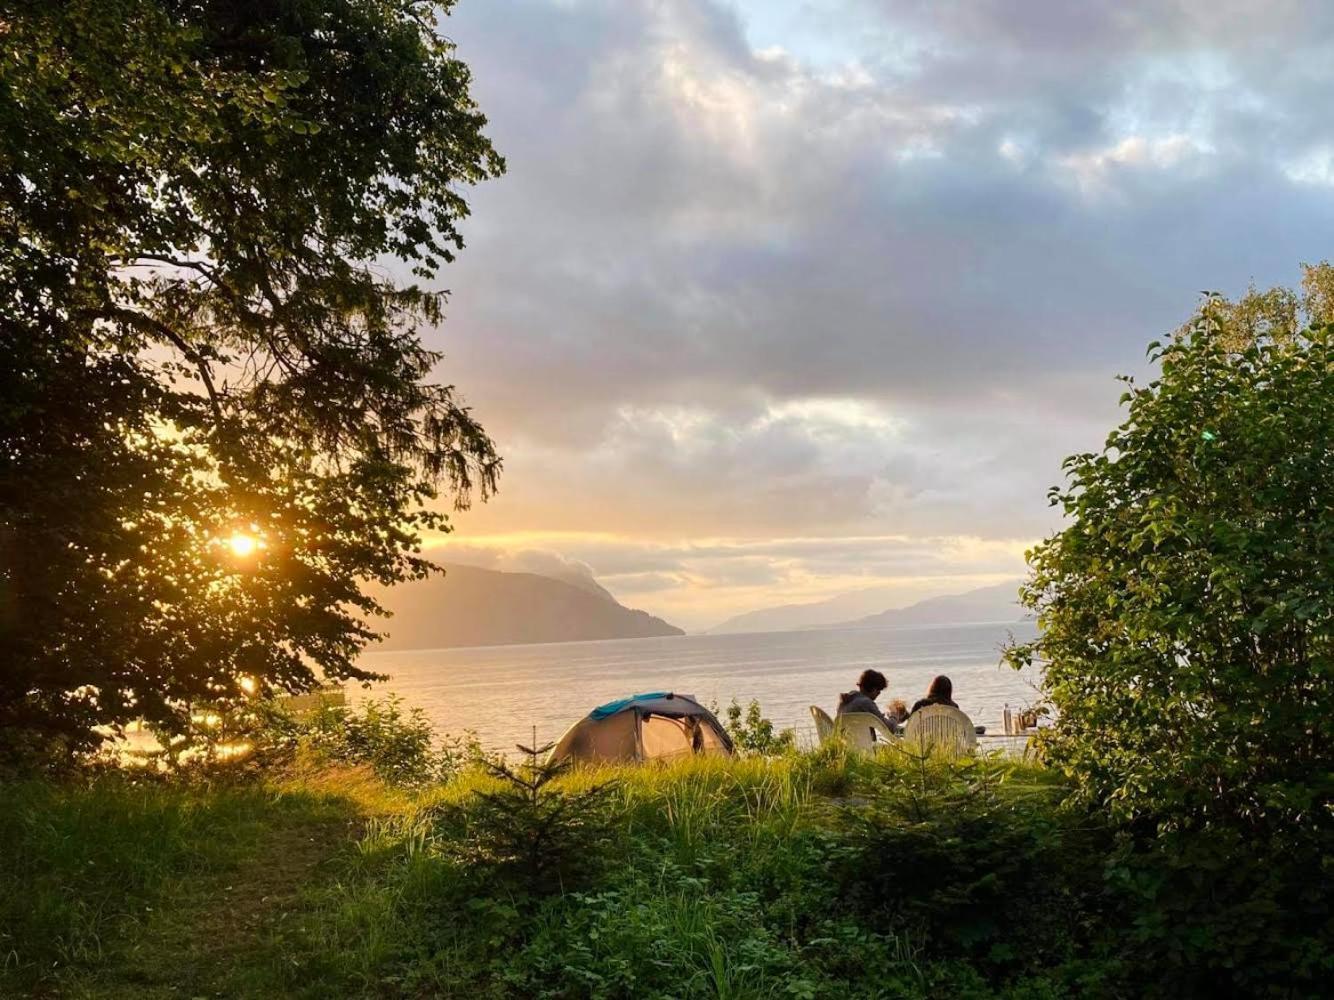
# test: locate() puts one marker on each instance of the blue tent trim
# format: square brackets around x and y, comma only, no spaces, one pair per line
[612,707]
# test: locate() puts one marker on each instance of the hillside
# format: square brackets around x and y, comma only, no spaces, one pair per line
[813,614]
[479,607]
[998,603]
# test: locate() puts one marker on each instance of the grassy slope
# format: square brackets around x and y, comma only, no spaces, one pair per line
[115,889]
[330,885]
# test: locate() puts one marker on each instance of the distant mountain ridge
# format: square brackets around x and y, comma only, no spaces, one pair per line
[814,614]
[998,603]
[469,606]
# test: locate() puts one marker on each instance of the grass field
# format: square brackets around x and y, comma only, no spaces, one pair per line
[709,878]
[800,875]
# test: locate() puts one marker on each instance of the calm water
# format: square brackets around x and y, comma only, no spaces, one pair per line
[502,692]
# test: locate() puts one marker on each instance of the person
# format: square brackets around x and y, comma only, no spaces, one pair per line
[897,712]
[862,698]
[941,692]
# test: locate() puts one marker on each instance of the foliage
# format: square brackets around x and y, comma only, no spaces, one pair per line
[1278,315]
[264,737]
[400,745]
[196,204]
[714,877]
[1186,611]
[754,734]
[1187,640]
[530,836]
[1223,912]
[974,857]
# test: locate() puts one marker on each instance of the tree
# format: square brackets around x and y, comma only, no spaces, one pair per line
[530,836]
[218,418]
[1187,611]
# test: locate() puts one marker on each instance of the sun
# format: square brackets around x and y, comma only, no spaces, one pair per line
[242,545]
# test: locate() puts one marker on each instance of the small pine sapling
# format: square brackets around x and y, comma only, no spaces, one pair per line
[533,837]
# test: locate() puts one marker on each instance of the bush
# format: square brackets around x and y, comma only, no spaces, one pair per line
[1187,612]
[1187,641]
[982,866]
[752,733]
[1214,912]
[399,745]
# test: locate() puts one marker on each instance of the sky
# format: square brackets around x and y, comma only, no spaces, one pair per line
[780,300]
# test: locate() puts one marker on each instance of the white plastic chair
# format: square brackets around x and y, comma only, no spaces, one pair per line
[862,731]
[940,729]
[824,726]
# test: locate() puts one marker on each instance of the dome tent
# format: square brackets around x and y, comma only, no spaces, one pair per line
[656,726]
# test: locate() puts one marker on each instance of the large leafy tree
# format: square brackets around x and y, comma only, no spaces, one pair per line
[1187,639]
[1187,611]
[210,216]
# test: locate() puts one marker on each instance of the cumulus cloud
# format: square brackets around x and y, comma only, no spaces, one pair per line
[854,269]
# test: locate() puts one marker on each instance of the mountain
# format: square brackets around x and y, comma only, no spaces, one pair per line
[999,603]
[853,611]
[481,607]
[581,580]
[810,615]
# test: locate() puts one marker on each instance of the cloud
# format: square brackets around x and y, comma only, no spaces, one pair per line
[776,271]
[698,582]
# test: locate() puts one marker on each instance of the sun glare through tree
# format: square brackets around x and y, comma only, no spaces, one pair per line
[786,320]
[243,544]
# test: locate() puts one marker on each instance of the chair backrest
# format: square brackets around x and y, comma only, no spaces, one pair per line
[862,730]
[940,729]
[824,726]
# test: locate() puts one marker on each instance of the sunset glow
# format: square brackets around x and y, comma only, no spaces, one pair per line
[243,545]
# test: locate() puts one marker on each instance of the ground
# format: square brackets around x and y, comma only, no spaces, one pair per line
[216,922]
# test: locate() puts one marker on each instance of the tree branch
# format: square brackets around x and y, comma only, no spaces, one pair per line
[153,325]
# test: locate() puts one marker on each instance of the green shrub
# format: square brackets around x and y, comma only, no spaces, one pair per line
[1212,912]
[1187,644]
[752,733]
[526,834]
[1187,611]
[400,745]
[983,866]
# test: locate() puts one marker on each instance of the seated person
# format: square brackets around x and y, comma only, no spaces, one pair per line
[940,692]
[862,698]
[897,712]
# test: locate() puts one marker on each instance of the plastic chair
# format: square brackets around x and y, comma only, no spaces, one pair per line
[824,726]
[940,729]
[862,731]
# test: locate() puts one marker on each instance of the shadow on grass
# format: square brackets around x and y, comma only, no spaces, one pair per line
[144,884]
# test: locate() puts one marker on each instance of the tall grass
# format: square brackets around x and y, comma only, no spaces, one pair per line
[718,879]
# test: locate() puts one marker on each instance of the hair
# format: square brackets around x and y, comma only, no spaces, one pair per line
[941,687]
[872,680]
[897,710]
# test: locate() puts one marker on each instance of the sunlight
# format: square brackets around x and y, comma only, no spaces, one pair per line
[242,545]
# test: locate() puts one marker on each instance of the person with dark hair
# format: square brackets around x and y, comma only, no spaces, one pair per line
[862,698]
[941,692]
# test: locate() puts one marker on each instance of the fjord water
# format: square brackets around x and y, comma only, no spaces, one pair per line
[502,692]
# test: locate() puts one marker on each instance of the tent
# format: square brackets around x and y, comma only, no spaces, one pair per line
[656,726]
